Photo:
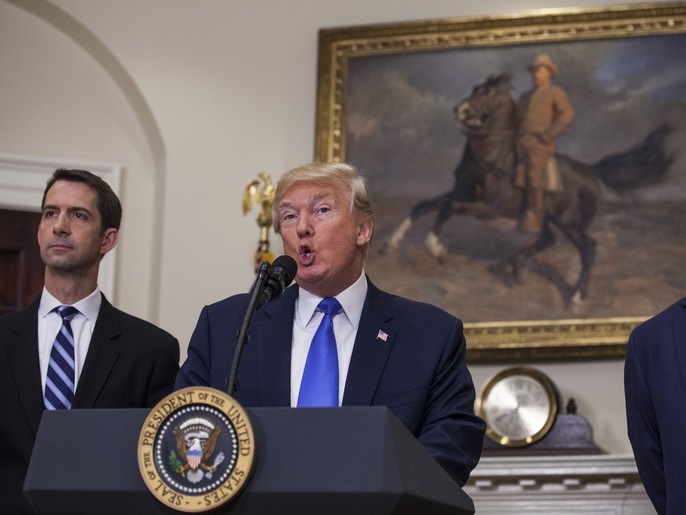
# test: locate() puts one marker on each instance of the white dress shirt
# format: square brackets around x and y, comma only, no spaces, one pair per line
[50,322]
[306,320]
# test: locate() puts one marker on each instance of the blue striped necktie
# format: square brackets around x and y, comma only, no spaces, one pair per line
[59,386]
[319,385]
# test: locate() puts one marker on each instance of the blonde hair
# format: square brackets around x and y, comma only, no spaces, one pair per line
[336,175]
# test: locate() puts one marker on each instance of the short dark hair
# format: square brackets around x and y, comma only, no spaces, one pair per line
[108,202]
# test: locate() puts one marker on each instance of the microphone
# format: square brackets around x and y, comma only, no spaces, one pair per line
[270,282]
[279,276]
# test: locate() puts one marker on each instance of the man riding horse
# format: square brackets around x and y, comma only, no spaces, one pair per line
[547,113]
[486,185]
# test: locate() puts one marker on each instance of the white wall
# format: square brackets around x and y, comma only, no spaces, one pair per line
[193,98]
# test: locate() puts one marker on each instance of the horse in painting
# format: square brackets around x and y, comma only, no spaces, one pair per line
[484,187]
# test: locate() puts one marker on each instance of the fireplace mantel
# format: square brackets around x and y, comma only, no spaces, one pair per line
[594,484]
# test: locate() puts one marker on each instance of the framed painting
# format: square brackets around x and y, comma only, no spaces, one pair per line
[432,114]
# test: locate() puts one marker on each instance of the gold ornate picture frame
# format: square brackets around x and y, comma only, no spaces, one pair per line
[387,101]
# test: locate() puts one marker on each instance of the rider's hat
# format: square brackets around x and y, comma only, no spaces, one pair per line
[543,60]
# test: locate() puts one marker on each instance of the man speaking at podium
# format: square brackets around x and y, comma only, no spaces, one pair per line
[71,348]
[335,339]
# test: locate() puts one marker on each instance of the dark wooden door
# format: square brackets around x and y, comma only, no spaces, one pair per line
[21,268]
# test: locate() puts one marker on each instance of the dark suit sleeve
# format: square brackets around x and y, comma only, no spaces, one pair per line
[165,370]
[642,423]
[450,430]
[212,346]
[196,370]
[130,363]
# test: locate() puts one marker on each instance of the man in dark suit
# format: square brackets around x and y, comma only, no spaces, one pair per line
[655,388]
[388,350]
[115,360]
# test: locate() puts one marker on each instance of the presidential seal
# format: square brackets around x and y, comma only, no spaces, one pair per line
[196,449]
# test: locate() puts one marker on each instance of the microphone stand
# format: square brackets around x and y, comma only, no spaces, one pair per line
[262,274]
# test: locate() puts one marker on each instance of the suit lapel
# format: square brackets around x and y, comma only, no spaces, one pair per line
[272,334]
[375,337]
[24,364]
[102,354]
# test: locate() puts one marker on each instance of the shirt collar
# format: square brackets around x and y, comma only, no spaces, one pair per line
[88,306]
[351,300]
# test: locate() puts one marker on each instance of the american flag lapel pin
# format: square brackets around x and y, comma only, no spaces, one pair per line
[382,336]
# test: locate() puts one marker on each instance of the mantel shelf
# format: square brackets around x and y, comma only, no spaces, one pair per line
[593,484]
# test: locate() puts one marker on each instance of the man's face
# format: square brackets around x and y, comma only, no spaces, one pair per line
[69,233]
[541,76]
[319,232]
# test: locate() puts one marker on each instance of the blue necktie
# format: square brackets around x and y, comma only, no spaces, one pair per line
[319,385]
[59,386]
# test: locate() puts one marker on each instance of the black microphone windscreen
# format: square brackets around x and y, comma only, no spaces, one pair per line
[288,266]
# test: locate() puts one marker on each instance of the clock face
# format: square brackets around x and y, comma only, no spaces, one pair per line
[519,406]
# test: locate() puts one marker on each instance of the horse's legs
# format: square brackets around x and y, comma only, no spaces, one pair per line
[545,239]
[587,252]
[393,241]
[432,241]
[420,209]
[549,272]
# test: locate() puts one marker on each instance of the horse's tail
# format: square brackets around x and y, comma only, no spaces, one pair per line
[644,164]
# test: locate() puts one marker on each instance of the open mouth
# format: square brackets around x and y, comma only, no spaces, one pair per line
[305,254]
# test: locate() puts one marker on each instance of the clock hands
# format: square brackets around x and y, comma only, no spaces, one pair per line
[508,414]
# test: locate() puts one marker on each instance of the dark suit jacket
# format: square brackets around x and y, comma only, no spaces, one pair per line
[130,364]
[419,372]
[655,387]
